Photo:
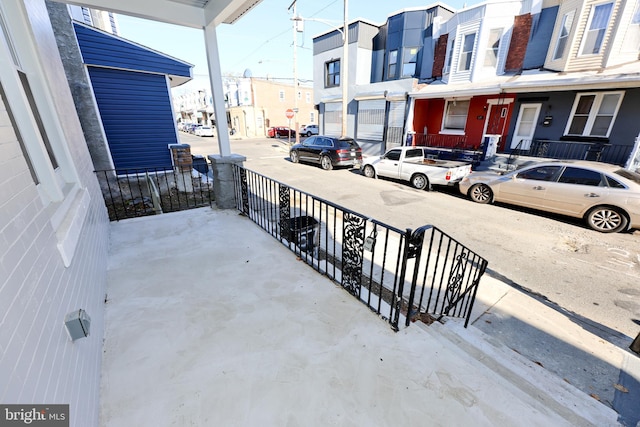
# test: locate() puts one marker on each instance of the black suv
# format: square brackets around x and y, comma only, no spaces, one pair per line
[327,151]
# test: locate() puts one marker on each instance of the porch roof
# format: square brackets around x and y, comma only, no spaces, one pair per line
[440,89]
[624,76]
[188,13]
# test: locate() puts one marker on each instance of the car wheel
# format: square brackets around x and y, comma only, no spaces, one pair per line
[325,163]
[308,134]
[606,219]
[480,193]
[420,182]
[294,156]
[369,172]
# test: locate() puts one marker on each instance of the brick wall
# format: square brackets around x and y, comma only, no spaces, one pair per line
[519,41]
[440,55]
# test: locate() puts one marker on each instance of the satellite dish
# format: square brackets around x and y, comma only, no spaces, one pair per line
[247,73]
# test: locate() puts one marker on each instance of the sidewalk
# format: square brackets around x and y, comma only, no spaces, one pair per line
[211,321]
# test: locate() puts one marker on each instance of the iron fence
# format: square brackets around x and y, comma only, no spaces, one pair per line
[616,154]
[402,275]
[130,193]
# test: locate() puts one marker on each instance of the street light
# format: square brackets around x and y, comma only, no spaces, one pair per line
[344,66]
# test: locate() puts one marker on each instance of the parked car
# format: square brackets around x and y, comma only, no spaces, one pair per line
[606,196]
[309,130]
[327,151]
[414,164]
[204,131]
[277,131]
[194,127]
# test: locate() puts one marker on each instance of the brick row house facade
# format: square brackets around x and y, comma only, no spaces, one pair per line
[552,78]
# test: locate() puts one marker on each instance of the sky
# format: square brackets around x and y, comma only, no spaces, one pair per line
[261,41]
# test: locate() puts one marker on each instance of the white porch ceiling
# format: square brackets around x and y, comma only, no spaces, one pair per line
[188,13]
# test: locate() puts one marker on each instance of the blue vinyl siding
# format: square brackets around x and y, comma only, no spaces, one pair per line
[136,115]
[103,49]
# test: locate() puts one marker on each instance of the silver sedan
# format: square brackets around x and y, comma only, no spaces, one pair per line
[606,196]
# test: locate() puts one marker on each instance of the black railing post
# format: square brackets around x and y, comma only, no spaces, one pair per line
[416,241]
[396,304]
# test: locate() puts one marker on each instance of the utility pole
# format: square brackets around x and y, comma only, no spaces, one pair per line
[295,70]
[344,69]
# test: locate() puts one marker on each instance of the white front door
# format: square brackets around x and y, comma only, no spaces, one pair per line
[525,126]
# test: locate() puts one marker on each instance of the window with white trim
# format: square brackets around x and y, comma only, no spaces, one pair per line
[455,117]
[447,67]
[593,114]
[631,42]
[493,45]
[38,132]
[281,96]
[565,29]
[312,117]
[466,52]
[596,29]
[308,95]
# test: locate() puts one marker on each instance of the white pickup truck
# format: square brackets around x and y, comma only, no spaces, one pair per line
[411,164]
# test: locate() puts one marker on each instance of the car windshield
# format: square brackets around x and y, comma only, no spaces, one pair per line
[626,173]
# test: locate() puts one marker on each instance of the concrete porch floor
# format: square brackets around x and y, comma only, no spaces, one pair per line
[210,321]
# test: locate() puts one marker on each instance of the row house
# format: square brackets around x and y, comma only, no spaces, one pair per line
[386,62]
[530,76]
[255,104]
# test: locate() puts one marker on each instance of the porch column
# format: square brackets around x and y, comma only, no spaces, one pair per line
[223,182]
[215,79]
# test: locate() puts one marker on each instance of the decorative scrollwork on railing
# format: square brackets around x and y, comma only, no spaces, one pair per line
[455,282]
[285,211]
[245,191]
[354,228]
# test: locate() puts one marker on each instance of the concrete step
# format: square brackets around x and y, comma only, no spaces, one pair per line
[545,390]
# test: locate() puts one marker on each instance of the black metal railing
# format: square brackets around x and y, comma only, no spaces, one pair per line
[402,275]
[616,154]
[130,193]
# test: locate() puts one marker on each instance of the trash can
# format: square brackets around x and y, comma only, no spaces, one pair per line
[303,232]
[200,164]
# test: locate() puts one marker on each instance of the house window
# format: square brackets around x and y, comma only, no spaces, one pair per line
[281,96]
[565,29]
[12,120]
[491,55]
[312,117]
[332,73]
[631,42]
[449,57]
[409,61]
[308,97]
[466,54]
[38,119]
[597,27]
[392,64]
[299,95]
[455,117]
[593,114]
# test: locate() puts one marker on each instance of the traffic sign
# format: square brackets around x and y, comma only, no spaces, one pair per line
[290,113]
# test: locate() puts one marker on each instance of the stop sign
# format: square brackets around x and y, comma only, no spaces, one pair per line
[289,113]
